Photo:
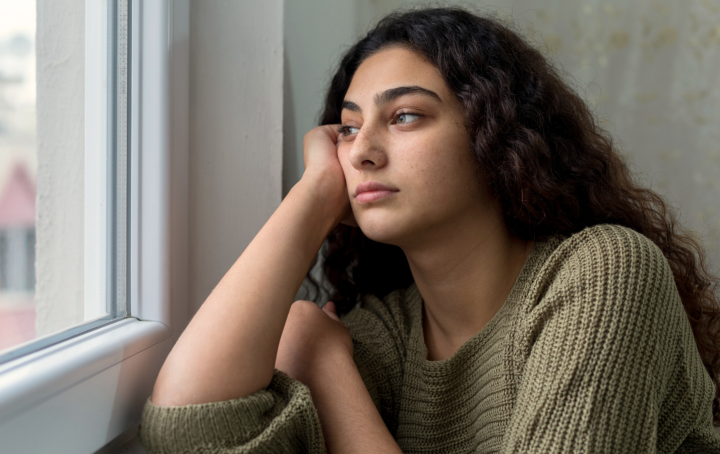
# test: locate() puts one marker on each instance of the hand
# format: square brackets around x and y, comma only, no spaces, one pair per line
[311,339]
[323,169]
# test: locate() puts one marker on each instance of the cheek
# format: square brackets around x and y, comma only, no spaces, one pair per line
[431,170]
[345,164]
[442,176]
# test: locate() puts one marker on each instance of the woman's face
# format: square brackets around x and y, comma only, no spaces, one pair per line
[405,130]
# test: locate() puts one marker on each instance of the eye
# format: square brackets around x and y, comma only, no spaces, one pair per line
[346,130]
[405,118]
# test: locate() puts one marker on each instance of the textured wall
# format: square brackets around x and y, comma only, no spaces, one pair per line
[650,69]
[236,114]
[60,174]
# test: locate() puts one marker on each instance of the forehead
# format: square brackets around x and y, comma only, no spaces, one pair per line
[394,67]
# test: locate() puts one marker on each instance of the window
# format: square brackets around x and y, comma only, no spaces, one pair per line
[53,303]
[92,258]
[18,167]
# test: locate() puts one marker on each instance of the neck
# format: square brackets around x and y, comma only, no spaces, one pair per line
[464,274]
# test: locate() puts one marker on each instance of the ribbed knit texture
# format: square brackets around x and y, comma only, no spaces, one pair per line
[591,353]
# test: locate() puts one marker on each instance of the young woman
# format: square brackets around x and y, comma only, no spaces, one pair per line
[503,283]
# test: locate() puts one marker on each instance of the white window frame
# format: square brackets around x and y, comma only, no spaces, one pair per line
[79,394]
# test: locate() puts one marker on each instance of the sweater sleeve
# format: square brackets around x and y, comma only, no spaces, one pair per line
[279,418]
[282,417]
[612,365]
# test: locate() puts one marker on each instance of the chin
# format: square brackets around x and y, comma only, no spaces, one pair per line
[382,229]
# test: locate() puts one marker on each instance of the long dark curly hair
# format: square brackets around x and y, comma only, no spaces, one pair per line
[554,170]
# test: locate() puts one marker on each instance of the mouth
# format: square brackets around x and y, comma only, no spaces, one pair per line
[372,191]
[372,196]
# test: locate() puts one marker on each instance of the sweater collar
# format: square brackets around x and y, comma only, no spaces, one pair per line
[537,256]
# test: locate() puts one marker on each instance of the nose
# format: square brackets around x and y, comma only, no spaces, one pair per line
[368,151]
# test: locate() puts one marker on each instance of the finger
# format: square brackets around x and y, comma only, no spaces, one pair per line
[333,316]
[333,132]
[330,310]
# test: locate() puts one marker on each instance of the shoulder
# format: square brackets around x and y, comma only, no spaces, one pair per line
[610,255]
[606,337]
[606,270]
[606,285]
[612,245]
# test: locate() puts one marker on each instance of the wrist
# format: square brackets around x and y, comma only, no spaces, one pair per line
[324,192]
[330,381]
[334,362]
[348,416]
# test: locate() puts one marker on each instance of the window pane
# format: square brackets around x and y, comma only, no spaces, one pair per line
[18,172]
[63,148]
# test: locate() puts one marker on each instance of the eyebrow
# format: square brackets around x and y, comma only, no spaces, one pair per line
[392,94]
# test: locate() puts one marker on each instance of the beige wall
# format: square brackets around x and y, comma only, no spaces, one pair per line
[316,32]
[236,127]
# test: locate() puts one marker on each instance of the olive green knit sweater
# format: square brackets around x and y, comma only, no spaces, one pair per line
[592,352]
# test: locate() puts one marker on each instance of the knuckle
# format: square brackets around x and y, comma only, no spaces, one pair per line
[310,134]
[303,306]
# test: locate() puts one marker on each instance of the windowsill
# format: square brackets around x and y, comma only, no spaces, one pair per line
[125,443]
[32,378]
[83,392]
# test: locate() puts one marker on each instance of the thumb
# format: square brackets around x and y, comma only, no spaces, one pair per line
[330,309]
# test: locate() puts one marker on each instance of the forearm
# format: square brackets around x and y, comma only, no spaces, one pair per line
[350,421]
[229,348]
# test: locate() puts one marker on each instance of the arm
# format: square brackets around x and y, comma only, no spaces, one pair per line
[229,348]
[349,419]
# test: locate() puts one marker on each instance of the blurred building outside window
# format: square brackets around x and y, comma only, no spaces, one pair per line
[18,170]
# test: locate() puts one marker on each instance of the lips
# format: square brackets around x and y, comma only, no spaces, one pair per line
[372,186]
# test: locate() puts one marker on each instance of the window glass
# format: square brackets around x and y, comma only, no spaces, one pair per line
[18,172]
[63,177]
